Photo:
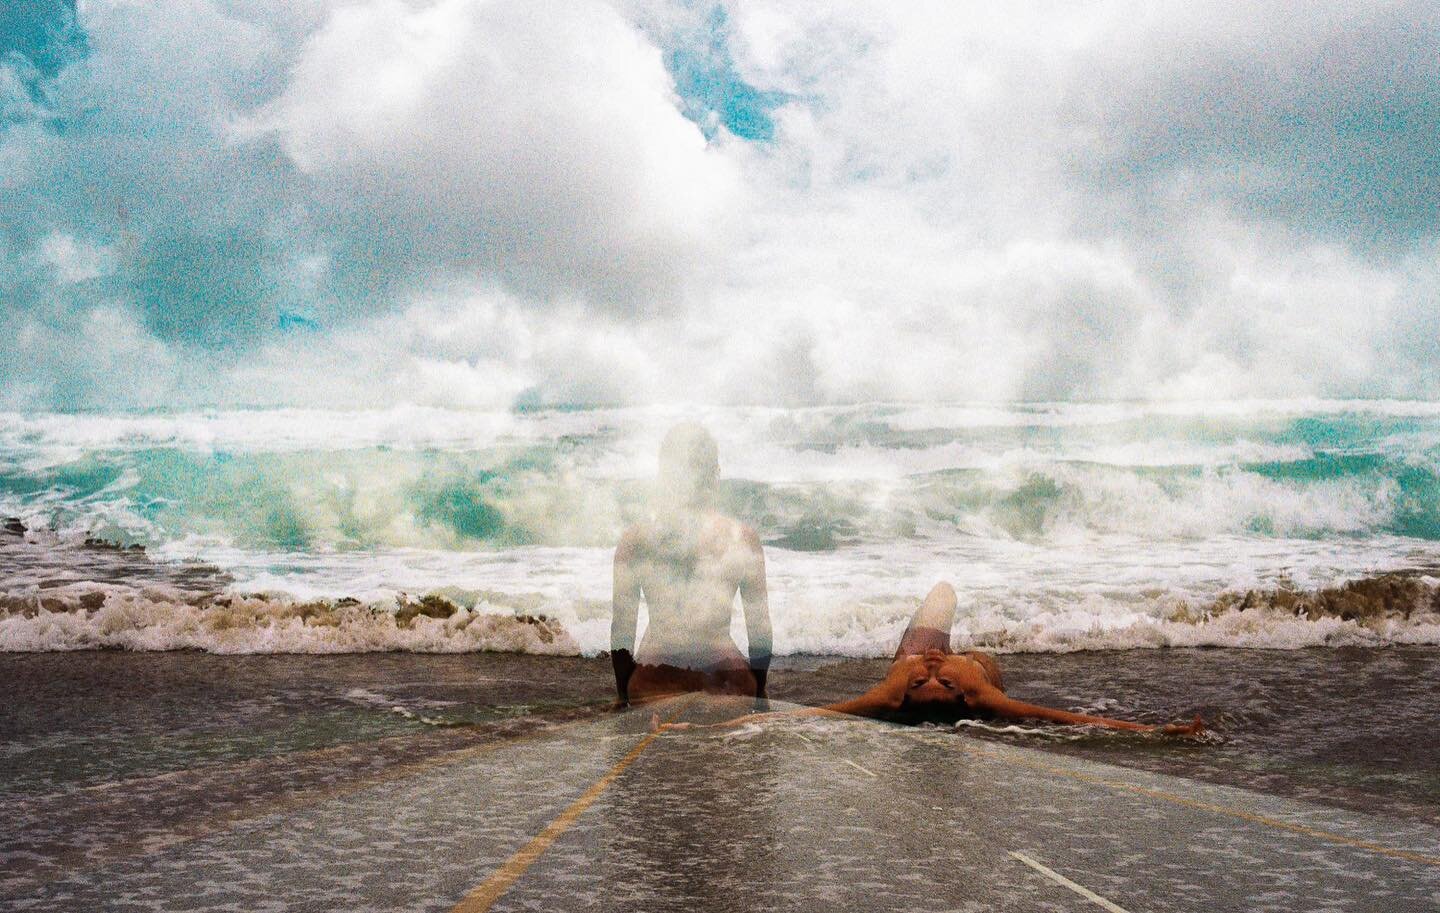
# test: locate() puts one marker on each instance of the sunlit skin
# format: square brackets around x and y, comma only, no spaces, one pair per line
[969,684]
[935,678]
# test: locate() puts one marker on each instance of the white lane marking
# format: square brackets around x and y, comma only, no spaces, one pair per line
[868,773]
[1062,880]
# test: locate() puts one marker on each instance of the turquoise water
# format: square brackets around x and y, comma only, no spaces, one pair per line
[860,506]
[817,479]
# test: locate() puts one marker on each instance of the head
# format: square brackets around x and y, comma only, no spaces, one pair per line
[934,679]
[689,465]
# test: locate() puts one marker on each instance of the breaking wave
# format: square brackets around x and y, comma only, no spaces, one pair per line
[1065,526]
[258,624]
[569,493]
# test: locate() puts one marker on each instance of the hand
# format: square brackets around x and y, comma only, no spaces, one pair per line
[897,681]
[1193,728]
[657,726]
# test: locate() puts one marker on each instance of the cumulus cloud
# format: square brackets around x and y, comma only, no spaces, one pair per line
[537,143]
[477,201]
[1106,199]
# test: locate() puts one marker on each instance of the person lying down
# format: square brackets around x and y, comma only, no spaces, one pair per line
[927,683]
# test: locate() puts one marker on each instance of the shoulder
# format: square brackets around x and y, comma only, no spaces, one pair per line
[974,681]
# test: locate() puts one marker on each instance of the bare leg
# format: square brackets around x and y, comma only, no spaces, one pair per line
[929,627]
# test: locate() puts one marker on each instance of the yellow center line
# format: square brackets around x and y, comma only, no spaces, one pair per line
[484,895]
[1265,820]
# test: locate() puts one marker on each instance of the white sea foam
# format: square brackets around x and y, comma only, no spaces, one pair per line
[1062,415]
[151,622]
[1105,593]
[283,430]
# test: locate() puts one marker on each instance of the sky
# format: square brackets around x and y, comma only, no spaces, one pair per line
[491,203]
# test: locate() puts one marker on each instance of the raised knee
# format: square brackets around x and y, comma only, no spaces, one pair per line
[942,591]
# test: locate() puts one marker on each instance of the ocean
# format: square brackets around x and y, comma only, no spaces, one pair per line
[1063,526]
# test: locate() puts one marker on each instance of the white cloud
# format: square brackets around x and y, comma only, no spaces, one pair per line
[537,142]
[74,260]
[479,200]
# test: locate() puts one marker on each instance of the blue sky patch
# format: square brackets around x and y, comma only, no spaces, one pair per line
[712,91]
[43,32]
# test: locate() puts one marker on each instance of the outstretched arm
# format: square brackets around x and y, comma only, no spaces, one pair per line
[625,608]
[988,697]
[755,600]
[885,696]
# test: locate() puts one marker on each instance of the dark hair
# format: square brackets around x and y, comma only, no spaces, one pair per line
[944,713]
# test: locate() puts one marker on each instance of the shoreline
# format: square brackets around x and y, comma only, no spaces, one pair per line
[64,594]
[795,661]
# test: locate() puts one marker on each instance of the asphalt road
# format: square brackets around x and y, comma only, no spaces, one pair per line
[789,814]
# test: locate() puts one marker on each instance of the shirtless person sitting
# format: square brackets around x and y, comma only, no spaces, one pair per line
[687,562]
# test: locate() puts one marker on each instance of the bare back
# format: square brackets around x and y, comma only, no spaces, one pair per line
[688,568]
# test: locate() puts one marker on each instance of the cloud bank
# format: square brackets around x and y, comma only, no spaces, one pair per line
[485,202]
